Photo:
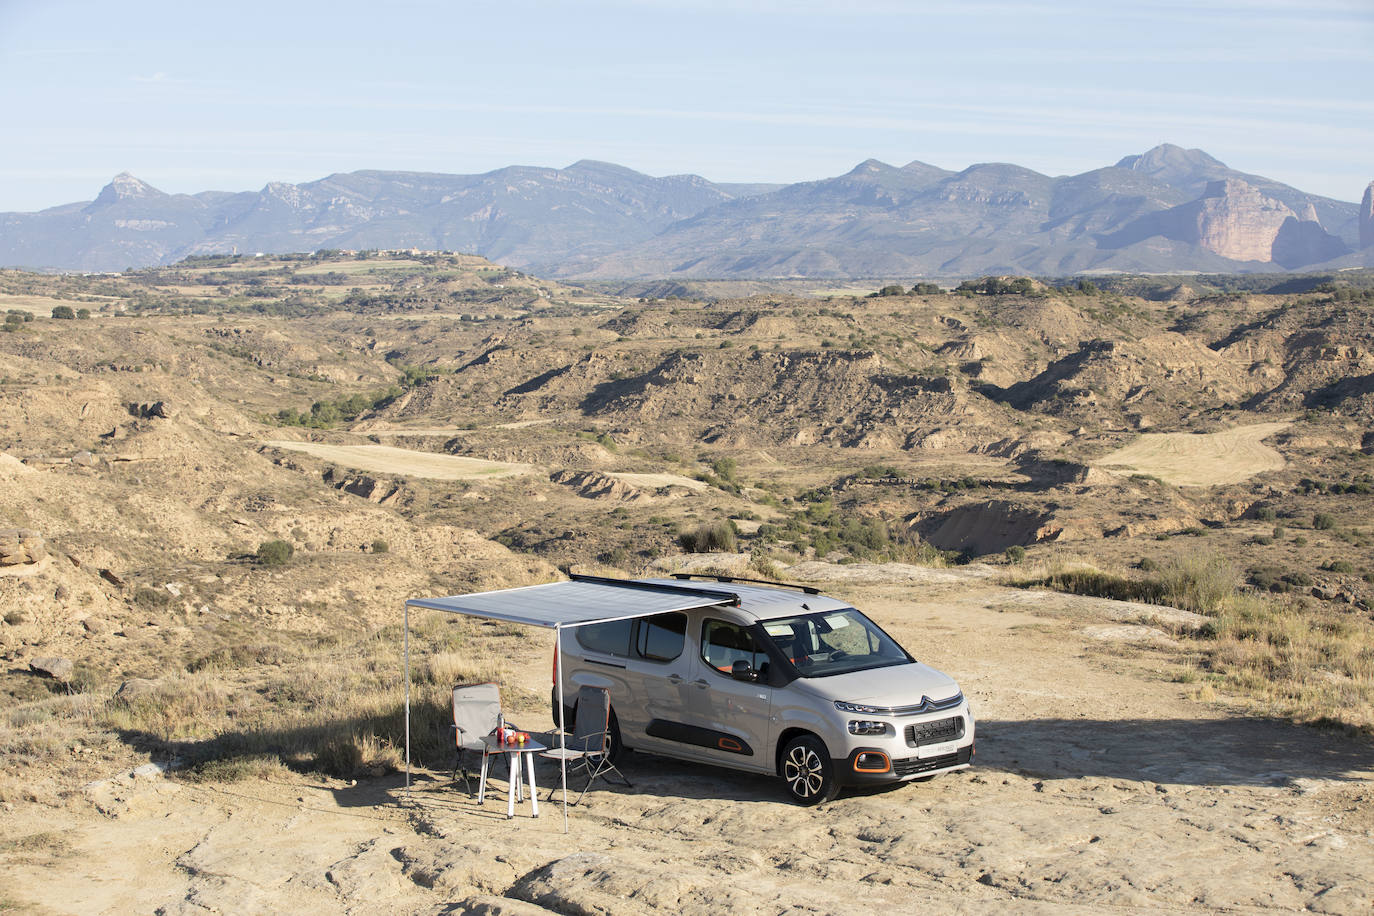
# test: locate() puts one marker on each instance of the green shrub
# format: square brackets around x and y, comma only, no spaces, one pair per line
[1198,583]
[275,553]
[63,311]
[380,546]
[1016,553]
[1266,514]
[1340,566]
[1323,521]
[718,538]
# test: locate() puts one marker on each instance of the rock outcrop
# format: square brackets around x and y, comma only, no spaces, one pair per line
[595,485]
[1236,221]
[55,667]
[21,547]
[1367,217]
[159,409]
[364,485]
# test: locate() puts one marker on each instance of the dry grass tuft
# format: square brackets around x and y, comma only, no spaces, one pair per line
[1311,664]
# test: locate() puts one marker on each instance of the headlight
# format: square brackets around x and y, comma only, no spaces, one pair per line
[863,727]
[859,708]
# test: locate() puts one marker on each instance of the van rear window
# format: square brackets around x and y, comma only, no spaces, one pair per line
[607,638]
[662,636]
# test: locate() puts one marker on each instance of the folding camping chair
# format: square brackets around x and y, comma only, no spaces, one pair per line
[476,713]
[589,746]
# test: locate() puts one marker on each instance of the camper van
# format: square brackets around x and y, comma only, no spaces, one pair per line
[773,679]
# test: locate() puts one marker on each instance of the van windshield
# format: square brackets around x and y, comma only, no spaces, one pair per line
[834,642]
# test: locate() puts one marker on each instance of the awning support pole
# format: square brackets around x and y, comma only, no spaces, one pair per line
[407,655]
[562,732]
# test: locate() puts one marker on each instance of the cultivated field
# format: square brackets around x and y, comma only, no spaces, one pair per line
[386,459]
[1200,459]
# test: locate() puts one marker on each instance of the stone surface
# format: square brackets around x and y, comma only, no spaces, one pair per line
[53,666]
[21,547]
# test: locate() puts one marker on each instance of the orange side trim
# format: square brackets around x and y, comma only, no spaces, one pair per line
[730,744]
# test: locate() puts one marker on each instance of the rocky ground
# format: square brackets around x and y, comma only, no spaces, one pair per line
[1100,785]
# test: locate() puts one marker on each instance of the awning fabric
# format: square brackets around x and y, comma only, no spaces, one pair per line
[576,603]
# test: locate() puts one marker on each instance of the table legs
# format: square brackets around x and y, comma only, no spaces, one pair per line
[534,790]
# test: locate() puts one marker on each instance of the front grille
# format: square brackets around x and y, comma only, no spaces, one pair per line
[910,766]
[927,705]
[923,733]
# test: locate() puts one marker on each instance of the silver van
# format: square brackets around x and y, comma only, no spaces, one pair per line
[775,679]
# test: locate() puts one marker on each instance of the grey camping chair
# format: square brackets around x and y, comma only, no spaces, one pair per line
[476,713]
[588,749]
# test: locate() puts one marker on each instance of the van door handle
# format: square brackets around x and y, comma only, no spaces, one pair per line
[701,682]
[675,679]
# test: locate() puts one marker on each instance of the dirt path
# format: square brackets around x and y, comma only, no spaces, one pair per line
[1099,787]
[1199,460]
[386,459]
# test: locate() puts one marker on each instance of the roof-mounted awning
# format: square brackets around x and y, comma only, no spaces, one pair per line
[584,600]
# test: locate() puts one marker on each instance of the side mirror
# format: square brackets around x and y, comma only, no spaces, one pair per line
[741,670]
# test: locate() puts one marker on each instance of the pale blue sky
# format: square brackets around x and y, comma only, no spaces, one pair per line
[229,96]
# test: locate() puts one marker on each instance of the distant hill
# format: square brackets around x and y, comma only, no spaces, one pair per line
[1165,210]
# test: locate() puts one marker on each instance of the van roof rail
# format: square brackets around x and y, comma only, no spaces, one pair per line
[807,589]
[728,597]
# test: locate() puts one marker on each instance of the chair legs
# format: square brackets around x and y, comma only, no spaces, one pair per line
[602,767]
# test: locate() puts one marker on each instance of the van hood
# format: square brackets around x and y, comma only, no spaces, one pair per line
[894,685]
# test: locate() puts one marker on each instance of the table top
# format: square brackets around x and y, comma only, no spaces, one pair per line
[508,748]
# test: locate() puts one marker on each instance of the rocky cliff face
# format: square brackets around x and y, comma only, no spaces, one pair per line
[1236,221]
[1367,217]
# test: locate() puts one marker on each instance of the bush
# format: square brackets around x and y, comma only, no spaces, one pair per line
[380,546]
[1323,521]
[275,553]
[1016,553]
[1266,514]
[718,538]
[926,289]
[1340,566]
[1198,583]
[63,311]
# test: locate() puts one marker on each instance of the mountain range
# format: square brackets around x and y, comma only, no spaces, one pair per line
[1166,210]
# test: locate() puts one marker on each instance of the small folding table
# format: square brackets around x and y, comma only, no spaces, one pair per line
[515,789]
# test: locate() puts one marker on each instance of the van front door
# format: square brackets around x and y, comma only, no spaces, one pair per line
[729,718]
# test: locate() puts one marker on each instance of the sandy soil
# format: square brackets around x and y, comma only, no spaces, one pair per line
[1100,786]
[386,459]
[1199,460]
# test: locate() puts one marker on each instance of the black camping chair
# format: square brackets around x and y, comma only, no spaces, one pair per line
[589,746]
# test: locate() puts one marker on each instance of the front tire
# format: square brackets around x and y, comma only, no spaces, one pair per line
[808,771]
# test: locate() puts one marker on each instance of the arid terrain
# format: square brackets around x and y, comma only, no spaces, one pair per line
[1132,521]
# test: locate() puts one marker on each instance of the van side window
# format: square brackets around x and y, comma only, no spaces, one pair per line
[607,638]
[662,637]
[724,643]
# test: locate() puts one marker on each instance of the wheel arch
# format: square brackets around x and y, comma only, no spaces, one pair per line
[785,738]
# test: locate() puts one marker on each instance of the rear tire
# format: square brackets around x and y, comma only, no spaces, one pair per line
[616,748]
[808,771]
